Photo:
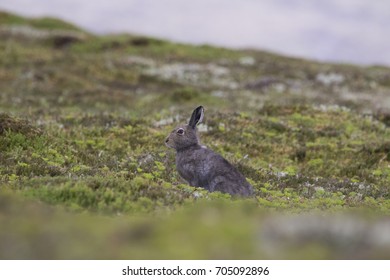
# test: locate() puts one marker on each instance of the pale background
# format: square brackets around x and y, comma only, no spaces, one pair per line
[354,31]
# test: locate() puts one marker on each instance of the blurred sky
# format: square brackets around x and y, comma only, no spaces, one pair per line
[356,31]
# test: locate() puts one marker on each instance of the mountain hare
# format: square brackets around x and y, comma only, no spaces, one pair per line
[201,167]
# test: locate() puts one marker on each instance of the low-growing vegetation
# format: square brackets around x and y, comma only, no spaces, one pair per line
[83,120]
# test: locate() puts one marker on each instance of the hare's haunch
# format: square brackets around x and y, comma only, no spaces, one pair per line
[202,167]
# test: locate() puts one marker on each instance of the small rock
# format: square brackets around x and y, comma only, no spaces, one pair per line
[328,79]
[247,61]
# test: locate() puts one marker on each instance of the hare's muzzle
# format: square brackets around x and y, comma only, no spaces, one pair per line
[167,142]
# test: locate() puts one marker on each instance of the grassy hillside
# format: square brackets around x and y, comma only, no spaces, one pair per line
[83,120]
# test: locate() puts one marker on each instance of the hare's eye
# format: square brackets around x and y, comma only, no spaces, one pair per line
[180,131]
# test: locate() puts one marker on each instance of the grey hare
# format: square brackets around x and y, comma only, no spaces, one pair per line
[202,167]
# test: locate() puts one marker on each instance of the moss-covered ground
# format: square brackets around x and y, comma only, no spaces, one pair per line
[84,172]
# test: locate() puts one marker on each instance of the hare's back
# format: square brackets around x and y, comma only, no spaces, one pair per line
[202,167]
[221,175]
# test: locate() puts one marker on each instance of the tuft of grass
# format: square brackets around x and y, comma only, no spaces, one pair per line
[9,124]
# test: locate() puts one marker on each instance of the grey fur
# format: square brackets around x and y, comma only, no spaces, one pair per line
[202,167]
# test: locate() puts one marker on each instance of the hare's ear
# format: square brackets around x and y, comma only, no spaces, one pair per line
[197,117]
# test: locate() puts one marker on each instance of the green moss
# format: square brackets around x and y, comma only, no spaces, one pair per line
[42,23]
[52,23]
